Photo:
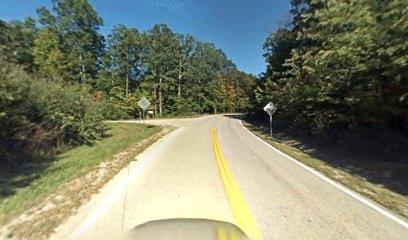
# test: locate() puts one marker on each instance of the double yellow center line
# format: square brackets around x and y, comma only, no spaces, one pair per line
[243,216]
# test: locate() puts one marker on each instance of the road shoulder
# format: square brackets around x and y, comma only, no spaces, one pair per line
[393,201]
[40,220]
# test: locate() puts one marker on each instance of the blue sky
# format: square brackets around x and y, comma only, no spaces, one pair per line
[239,27]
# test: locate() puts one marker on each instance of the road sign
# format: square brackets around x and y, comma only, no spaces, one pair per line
[143,103]
[270,109]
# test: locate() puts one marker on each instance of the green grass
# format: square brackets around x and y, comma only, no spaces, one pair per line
[195,115]
[70,165]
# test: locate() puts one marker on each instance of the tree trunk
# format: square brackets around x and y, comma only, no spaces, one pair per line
[160,98]
[155,102]
[82,69]
[127,84]
[179,81]
[199,97]
[83,73]
[179,87]
[179,91]
[127,75]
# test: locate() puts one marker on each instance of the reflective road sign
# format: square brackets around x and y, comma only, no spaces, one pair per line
[144,103]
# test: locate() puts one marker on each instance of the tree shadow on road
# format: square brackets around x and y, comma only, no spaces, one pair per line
[379,157]
[234,116]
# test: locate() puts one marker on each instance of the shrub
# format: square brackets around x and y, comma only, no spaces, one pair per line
[39,115]
[111,111]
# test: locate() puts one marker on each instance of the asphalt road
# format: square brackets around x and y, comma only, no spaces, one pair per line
[213,168]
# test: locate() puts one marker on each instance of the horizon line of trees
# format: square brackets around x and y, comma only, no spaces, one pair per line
[90,77]
[177,72]
[335,67]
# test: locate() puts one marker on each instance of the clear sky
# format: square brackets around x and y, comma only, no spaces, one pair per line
[239,27]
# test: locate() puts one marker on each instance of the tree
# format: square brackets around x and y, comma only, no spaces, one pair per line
[178,73]
[124,53]
[48,55]
[17,40]
[78,24]
[187,44]
[278,47]
[161,61]
[206,76]
[361,62]
[340,65]
[240,88]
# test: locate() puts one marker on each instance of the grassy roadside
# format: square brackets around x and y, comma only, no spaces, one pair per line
[390,199]
[181,116]
[71,165]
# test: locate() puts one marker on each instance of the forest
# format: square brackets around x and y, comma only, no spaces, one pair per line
[60,77]
[335,163]
[338,66]
[333,67]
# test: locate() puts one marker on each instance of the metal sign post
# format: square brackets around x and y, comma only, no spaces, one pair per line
[143,104]
[270,109]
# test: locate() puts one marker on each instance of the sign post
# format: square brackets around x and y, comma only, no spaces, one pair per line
[143,104]
[270,109]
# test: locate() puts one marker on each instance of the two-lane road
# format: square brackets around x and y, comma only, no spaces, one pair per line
[213,168]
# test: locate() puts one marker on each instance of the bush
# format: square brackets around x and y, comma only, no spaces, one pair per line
[38,115]
[111,111]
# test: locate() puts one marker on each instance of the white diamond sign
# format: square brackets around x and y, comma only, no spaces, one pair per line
[270,108]
[144,103]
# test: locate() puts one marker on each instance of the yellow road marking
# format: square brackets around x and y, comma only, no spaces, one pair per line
[222,234]
[235,236]
[227,234]
[243,216]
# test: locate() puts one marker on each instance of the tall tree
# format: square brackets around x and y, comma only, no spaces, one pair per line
[124,53]
[278,47]
[17,40]
[206,77]
[78,24]
[239,91]
[48,55]
[187,44]
[361,63]
[161,61]
[347,65]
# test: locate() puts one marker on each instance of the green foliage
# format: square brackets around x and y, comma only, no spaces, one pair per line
[48,55]
[16,42]
[66,80]
[69,108]
[123,56]
[77,24]
[126,104]
[240,91]
[206,78]
[160,59]
[347,65]
[112,112]
[29,184]
[37,114]
[278,47]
